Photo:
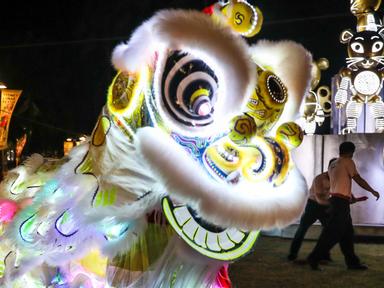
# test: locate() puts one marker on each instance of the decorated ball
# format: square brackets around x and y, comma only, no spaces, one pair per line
[290,134]
[8,209]
[242,129]
[244,18]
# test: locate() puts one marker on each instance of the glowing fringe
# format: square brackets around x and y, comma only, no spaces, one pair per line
[178,267]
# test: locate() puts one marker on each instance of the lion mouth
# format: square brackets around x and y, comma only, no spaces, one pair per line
[213,169]
[247,205]
[213,241]
[230,155]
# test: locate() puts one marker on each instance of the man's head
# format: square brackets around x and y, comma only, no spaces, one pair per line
[346,149]
[331,161]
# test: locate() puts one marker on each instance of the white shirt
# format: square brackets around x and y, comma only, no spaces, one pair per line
[340,174]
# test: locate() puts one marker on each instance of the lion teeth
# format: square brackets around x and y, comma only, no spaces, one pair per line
[228,156]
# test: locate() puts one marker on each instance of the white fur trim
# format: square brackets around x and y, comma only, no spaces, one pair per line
[258,206]
[194,32]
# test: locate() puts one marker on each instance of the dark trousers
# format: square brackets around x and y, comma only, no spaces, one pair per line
[313,211]
[339,229]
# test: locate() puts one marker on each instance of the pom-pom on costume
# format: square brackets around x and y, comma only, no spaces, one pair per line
[189,159]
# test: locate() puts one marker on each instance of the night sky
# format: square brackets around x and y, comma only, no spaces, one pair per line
[59,54]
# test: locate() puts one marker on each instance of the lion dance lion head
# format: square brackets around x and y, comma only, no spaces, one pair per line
[190,158]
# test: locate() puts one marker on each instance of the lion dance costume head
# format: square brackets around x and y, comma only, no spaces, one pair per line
[189,159]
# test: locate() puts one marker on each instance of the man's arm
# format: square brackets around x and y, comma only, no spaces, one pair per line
[364,184]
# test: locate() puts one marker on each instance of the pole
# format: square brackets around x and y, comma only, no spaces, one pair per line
[3,164]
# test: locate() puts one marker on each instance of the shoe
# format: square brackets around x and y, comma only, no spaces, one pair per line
[360,266]
[325,260]
[314,265]
[300,262]
[291,257]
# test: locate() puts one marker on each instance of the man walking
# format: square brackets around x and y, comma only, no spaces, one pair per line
[316,209]
[339,228]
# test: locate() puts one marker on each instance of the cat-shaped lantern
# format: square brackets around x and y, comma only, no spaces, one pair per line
[362,80]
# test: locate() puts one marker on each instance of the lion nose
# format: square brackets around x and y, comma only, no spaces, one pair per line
[201,103]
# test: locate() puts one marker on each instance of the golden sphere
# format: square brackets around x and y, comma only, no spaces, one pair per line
[242,129]
[244,18]
[290,134]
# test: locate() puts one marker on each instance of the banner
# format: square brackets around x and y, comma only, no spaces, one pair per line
[20,143]
[8,102]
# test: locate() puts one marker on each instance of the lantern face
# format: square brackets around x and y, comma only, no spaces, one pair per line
[365,50]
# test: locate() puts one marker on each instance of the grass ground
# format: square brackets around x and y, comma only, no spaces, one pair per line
[267,267]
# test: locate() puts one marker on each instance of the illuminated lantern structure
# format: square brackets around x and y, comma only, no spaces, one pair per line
[359,106]
[357,111]
[189,159]
[69,143]
[316,107]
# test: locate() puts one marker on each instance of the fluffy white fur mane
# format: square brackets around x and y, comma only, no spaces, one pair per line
[193,32]
[250,207]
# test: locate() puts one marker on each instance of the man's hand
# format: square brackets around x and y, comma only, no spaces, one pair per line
[376,194]
[364,184]
[358,199]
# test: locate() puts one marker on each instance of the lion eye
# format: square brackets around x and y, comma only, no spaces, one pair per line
[188,90]
[357,47]
[377,46]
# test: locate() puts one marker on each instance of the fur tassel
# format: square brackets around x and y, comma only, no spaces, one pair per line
[33,162]
[252,207]
[135,53]
[20,174]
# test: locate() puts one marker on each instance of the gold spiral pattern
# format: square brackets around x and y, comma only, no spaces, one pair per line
[243,128]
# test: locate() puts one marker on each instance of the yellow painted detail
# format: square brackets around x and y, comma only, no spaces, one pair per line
[86,165]
[290,134]
[199,92]
[280,178]
[242,129]
[95,263]
[105,198]
[103,125]
[265,153]
[243,18]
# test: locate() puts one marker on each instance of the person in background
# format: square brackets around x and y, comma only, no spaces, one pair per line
[316,209]
[339,228]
